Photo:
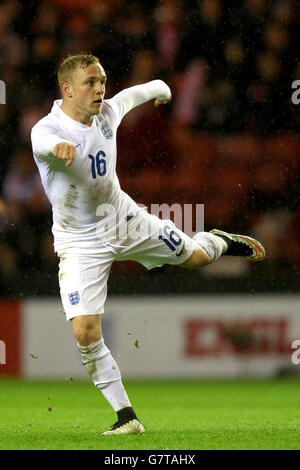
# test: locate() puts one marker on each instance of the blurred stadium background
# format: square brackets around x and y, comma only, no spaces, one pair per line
[229,140]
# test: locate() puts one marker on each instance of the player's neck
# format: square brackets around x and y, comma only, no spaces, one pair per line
[76,115]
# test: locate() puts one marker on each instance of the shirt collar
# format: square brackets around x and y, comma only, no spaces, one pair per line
[56,110]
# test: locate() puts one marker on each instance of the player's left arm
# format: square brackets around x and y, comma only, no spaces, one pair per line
[136,95]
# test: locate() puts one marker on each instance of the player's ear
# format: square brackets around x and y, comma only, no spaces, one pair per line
[66,89]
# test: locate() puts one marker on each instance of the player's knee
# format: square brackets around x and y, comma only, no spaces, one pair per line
[86,332]
[85,337]
[198,259]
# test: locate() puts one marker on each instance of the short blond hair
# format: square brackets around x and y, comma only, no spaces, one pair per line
[69,65]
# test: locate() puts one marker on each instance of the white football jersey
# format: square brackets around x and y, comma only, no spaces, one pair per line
[82,195]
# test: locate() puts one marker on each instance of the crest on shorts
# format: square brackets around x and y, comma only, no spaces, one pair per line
[74,298]
[106,130]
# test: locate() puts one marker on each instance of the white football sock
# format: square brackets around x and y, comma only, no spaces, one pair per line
[213,245]
[105,373]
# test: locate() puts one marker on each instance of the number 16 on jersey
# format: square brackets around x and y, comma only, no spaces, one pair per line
[98,164]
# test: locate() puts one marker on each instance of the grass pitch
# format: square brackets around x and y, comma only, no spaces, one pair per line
[176,415]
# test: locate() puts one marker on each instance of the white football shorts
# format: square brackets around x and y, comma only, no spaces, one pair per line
[83,272]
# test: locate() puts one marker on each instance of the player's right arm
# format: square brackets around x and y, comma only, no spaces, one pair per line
[47,144]
[65,151]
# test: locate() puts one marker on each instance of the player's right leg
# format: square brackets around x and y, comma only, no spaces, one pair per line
[217,243]
[163,243]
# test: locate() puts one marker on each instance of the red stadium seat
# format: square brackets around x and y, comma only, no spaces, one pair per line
[146,186]
[239,149]
[270,177]
[193,149]
[124,267]
[282,149]
[233,181]
[219,210]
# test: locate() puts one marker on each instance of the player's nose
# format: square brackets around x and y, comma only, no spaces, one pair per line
[100,88]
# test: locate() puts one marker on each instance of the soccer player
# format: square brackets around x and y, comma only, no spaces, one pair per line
[96,223]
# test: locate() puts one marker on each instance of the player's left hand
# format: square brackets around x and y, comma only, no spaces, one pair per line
[158,102]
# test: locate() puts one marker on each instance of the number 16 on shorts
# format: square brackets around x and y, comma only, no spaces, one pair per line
[172,239]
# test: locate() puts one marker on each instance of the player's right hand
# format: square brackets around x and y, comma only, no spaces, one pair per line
[65,151]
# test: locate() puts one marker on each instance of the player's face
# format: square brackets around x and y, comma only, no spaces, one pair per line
[88,89]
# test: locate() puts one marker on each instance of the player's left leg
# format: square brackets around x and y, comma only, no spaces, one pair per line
[83,287]
[104,372]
